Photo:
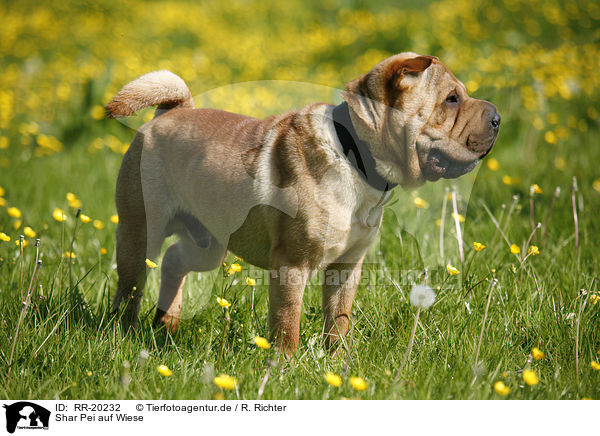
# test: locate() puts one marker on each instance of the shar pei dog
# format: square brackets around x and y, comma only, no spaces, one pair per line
[295,193]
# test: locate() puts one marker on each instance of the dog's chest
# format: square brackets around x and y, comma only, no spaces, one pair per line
[353,213]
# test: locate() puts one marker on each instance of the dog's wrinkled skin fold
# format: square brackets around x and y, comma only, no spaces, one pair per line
[279,192]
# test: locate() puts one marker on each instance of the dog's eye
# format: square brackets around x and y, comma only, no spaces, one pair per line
[452,98]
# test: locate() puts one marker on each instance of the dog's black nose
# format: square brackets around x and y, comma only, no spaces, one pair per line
[495,121]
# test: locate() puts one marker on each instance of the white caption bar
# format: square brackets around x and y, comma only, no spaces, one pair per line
[74,417]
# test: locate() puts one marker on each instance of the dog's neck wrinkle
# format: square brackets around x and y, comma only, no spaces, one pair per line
[357,151]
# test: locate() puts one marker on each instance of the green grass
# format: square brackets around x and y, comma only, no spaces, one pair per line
[67,330]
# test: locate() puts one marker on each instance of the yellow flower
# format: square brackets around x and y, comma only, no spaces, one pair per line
[595,365]
[2,202]
[507,180]
[461,219]
[17,224]
[233,268]
[98,224]
[515,249]
[333,379]
[97,112]
[75,202]
[69,255]
[358,383]
[250,281]
[537,354]
[18,243]
[530,377]
[103,251]
[560,163]
[225,382]
[223,302]
[501,388]
[451,270]
[4,237]
[89,373]
[84,218]
[478,246]
[29,232]
[114,219]
[533,250]
[594,298]
[536,188]
[59,215]
[14,212]
[492,164]
[262,342]
[151,264]
[165,371]
[595,185]
[420,203]
[2,191]
[550,137]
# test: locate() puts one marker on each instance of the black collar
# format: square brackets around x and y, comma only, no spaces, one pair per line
[357,151]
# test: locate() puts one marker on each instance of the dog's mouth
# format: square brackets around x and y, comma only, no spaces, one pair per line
[437,164]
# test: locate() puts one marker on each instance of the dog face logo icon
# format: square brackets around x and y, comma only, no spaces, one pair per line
[26,415]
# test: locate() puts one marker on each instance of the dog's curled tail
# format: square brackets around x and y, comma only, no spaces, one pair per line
[162,88]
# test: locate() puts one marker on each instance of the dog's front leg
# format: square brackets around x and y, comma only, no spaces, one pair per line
[286,289]
[339,288]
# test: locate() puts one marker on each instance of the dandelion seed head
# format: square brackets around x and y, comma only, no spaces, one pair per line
[422,296]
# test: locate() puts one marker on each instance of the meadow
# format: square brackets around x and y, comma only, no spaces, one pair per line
[534,292]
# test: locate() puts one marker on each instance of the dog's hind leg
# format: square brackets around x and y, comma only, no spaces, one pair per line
[181,258]
[132,238]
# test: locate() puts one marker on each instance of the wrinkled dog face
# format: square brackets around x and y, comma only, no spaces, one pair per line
[419,120]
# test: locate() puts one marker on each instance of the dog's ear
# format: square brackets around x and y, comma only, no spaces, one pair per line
[363,96]
[397,70]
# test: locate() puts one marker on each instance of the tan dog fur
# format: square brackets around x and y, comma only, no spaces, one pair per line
[279,192]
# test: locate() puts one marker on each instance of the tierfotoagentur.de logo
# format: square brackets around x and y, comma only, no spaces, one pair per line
[26,415]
